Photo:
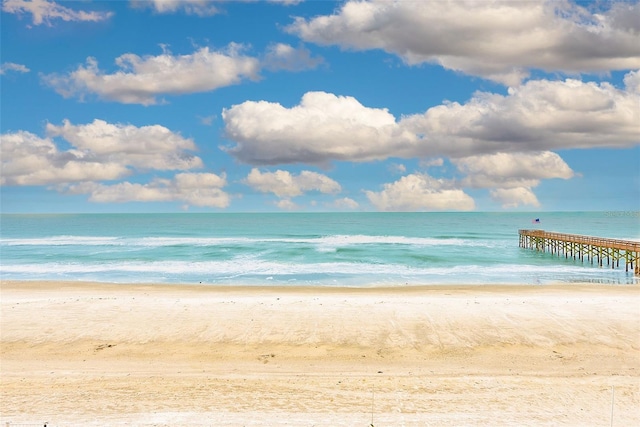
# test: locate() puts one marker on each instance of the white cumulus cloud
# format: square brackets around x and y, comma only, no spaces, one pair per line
[281,56]
[197,189]
[45,11]
[510,170]
[511,177]
[514,197]
[499,40]
[28,159]
[190,7]
[194,7]
[421,192]
[540,115]
[345,203]
[98,151]
[286,185]
[140,80]
[286,2]
[432,162]
[146,147]
[286,204]
[632,82]
[322,128]
[10,66]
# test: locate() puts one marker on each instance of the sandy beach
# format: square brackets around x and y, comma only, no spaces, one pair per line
[112,354]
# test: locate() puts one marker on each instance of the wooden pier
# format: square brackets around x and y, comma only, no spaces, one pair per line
[579,247]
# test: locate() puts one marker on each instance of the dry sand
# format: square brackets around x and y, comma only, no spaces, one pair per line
[96,354]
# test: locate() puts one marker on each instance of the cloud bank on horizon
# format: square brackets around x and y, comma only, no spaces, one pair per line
[293,105]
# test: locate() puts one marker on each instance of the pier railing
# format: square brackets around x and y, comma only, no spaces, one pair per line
[579,247]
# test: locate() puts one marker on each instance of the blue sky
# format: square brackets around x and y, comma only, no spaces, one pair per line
[230,106]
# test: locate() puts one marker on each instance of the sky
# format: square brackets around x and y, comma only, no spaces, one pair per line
[369,105]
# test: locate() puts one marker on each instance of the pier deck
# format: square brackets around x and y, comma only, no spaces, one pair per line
[579,247]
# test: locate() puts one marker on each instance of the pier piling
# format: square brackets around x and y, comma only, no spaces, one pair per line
[578,246]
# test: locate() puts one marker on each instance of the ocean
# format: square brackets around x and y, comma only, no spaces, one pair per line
[303,249]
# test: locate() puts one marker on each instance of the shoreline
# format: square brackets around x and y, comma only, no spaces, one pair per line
[118,354]
[418,287]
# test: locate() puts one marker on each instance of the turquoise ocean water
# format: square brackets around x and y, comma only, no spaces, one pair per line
[326,249]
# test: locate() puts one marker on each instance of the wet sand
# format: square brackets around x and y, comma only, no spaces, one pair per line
[112,354]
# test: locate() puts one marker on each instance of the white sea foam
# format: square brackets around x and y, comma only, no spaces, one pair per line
[331,241]
[64,241]
[247,266]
